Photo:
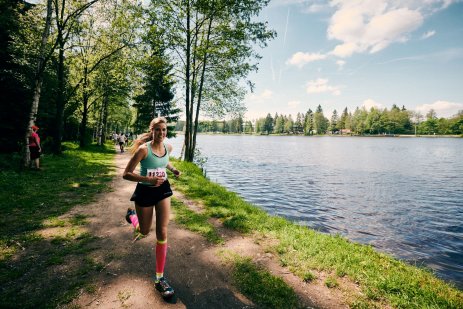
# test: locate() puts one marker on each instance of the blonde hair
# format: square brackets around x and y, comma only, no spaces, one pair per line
[145,137]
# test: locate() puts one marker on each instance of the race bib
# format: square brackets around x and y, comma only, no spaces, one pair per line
[158,172]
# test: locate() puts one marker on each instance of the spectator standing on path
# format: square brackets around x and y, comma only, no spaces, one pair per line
[34,147]
[121,140]
[152,191]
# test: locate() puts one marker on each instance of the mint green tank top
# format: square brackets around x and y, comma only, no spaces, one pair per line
[152,161]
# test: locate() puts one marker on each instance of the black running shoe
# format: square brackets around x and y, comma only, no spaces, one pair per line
[130,212]
[164,288]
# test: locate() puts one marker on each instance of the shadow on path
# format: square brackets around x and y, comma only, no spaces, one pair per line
[125,280]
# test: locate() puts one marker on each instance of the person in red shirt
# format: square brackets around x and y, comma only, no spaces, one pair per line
[34,147]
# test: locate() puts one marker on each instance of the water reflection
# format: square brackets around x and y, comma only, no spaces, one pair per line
[403,196]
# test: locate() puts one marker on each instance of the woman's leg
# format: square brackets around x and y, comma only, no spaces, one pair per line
[162,218]
[145,218]
[162,221]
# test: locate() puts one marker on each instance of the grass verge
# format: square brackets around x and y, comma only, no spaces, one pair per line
[45,257]
[195,222]
[259,285]
[383,280]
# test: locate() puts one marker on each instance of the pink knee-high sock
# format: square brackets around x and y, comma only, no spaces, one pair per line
[161,253]
[134,220]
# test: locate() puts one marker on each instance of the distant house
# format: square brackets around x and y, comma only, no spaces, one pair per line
[345,131]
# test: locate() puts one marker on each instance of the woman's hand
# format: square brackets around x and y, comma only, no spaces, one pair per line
[156,181]
[176,172]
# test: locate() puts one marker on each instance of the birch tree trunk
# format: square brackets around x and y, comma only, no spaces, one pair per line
[85,97]
[105,118]
[60,100]
[200,92]
[37,83]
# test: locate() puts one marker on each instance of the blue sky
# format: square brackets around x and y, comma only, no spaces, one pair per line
[360,53]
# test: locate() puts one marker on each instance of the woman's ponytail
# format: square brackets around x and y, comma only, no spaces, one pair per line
[143,138]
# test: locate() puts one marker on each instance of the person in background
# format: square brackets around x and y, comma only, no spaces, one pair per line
[152,192]
[121,142]
[35,148]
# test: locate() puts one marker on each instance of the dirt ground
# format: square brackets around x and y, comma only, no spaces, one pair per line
[193,267]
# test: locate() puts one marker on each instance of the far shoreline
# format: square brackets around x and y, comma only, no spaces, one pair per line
[329,135]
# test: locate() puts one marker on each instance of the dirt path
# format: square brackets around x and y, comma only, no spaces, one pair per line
[193,266]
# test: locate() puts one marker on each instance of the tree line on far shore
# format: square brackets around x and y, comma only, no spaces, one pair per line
[375,121]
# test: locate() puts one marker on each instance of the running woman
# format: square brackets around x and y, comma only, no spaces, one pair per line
[152,191]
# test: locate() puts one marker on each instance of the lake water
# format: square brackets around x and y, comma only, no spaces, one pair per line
[404,196]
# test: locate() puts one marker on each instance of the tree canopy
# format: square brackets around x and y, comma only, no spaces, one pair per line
[83,69]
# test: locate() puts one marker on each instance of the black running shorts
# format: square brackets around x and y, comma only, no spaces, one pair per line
[147,196]
[35,153]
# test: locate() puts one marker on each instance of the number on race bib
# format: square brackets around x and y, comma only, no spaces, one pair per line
[158,172]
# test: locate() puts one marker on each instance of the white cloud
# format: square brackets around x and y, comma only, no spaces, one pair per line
[442,108]
[311,6]
[371,25]
[344,50]
[428,34]
[300,59]
[446,3]
[340,64]
[315,8]
[266,94]
[369,103]
[321,85]
[294,104]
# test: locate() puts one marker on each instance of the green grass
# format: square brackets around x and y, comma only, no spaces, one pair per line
[381,278]
[67,180]
[264,289]
[195,222]
[38,271]
[331,282]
